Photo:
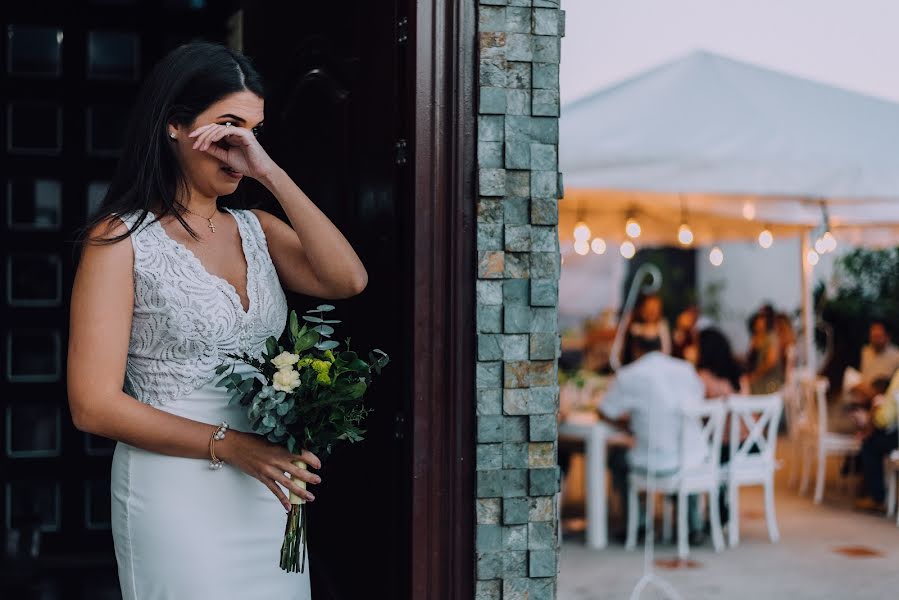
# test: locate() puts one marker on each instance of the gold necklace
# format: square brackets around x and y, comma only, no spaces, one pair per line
[209,218]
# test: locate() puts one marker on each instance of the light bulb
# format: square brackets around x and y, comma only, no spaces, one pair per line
[581,231]
[685,234]
[830,240]
[748,211]
[628,249]
[766,238]
[632,228]
[716,256]
[581,247]
[821,245]
[598,245]
[812,257]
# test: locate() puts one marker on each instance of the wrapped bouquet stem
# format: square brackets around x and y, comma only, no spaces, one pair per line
[306,395]
[295,530]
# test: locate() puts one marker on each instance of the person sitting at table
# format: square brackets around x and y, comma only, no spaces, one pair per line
[661,386]
[879,360]
[683,340]
[647,323]
[879,439]
[766,370]
[720,372]
[722,376]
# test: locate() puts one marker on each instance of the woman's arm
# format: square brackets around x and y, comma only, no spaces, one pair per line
[99,330]
[665,336]
[102,304]
[311,255]
[323,264]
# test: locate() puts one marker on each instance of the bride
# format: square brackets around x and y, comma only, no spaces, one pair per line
[153,317]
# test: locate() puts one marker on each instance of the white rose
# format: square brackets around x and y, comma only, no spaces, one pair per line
[285,360]
[286,380]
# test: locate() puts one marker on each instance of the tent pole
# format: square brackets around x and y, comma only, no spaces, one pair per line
[808,315]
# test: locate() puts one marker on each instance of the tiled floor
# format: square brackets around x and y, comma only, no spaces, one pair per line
[826,552]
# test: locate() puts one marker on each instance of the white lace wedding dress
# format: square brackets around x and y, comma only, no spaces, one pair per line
[181,530]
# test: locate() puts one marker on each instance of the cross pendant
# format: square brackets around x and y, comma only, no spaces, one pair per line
[211,226]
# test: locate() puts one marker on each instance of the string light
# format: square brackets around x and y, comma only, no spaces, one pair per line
[766,238]
[830,241]
[581,231]
[684,233]
[812,257]
[581,247]
[598,245]
[716,256]
[628,250]
[820,246]
[632,228]
[748,211]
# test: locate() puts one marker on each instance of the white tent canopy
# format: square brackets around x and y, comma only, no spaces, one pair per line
[734,147]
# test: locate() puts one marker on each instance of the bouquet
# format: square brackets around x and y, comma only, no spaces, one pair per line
[306,397]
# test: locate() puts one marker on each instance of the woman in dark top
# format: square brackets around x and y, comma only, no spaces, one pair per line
[717,366]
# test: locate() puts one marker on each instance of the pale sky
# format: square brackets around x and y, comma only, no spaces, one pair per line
[853,44]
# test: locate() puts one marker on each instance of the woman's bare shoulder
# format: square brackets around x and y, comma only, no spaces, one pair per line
[95,248]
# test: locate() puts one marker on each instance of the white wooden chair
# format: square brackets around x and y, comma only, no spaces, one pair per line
[760,415]
[703,478]
[820,442]
[891,466]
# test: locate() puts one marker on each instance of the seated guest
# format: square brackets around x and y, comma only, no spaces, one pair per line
[647,323]
[766,370]
[719,370]
[880,439]
[661,386]
[683,340]
[879,360]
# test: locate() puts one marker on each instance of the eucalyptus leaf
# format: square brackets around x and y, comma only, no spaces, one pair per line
[324,308]
[313,319]
[324,329]
[306,341]
[328,345]
[294,325]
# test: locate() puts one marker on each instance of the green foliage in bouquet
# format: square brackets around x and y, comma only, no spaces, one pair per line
[305,397]
[308,397]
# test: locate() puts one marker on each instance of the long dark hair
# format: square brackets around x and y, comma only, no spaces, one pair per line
[187,81]
[715,355]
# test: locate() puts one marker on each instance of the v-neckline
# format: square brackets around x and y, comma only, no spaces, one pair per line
[228,286]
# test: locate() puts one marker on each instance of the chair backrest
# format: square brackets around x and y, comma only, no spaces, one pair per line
[760,415]
[708,416]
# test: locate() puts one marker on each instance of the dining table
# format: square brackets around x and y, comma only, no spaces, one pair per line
[585,426]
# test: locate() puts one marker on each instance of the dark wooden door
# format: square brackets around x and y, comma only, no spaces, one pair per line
[69,71]
[334,121]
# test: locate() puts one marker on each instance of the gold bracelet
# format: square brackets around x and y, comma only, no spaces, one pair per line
[218,434]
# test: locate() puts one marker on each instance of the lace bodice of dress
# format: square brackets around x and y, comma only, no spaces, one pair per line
[185,318]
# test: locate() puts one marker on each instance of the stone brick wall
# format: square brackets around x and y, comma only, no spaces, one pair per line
[517,293]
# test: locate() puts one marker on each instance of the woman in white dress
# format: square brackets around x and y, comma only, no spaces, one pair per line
[153,317]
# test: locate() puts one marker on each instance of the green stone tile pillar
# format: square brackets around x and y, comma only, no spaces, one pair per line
[517,294]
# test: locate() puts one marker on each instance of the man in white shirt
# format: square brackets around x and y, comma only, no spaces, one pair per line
[879,361]
[656,387]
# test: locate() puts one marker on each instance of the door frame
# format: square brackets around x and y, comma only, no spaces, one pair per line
[443,42]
